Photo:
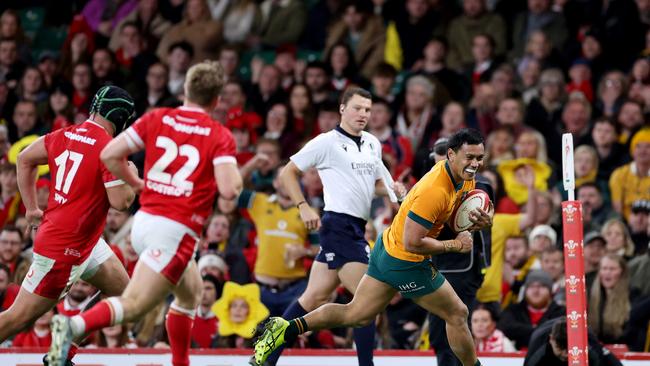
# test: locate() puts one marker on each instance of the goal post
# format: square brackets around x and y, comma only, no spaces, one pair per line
[574,267]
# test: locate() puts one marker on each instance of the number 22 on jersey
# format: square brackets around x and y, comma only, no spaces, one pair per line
[172,151]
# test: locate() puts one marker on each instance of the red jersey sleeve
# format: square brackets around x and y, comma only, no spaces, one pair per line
[225,148]
[136,135]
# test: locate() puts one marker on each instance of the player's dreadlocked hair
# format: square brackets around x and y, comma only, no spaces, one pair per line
[115,105]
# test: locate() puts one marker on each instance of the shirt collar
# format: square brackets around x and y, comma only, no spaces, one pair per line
[356,139]
[457,186]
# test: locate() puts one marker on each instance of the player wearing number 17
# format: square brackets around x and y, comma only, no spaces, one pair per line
[189,157]
[68,243]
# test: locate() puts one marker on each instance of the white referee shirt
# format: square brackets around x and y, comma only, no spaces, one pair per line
[348,171]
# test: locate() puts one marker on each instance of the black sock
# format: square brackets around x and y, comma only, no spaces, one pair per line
[478,363]
[296,327]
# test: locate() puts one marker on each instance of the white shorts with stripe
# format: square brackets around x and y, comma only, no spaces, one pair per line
[165,245]
[50,278]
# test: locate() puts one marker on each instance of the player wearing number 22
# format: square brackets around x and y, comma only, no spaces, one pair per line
[400,262]
[68,243]
[189,157]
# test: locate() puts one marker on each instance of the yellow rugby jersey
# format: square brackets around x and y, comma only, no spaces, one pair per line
[275,227]
[429,203]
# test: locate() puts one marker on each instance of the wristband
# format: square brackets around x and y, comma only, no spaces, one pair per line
[300,203]
[449,246]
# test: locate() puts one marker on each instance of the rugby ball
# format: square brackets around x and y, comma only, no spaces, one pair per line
[459,220]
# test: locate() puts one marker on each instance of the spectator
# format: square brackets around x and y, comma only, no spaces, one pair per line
[116,336]
[118,226]
[217,244]
[25,121]
[105,70]
[504,227]
[552,262]
[545,111]
[484,61]
[539,49]
[237,19]
[278,23]
[540,239]
[102,17]
[383,82]
[483,108]
[8,290]
[415,120]
[343,67]
[328,117]
[595,210]
[12,205]
[629,120]
[487,338]
[239,310]
[404,321]
[151,25]
[38,336]
[434,66]
[476,18]
[229,61]
[519,261]
[538,16]
[59,113]
[510,113]
[548,347]
[279,128]
[580,75]
[639,273]
[529,75]
[317,79]
[301,110]
[637,224]
[47,64]
[396,149]
[78,298]
[281,242]
[610,300]
[179,59]
[78,46]
[157,92]
[244,135]
[11,68]
[631,182]
[267,91]
[82,83]
[408,33]
[213,265]
[285,61]
[198,29]
[618,238]
[10,28]
[500,146]
[363,33]
[503,82]
[594,251]
[611,154]
[518,321]
[31,86]
[205,322]
[260,171]
[611,93]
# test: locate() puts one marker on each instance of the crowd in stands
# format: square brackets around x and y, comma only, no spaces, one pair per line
[522,72]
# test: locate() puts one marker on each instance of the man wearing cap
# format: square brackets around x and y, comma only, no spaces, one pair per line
[631,182]
[68,244]
[519,320]
[593,251]
[638,225]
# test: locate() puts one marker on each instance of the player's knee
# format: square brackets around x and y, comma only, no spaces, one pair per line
[312,301]
[458,315]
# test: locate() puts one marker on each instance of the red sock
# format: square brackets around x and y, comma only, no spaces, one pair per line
[73,351]
[100,316]
[179,329]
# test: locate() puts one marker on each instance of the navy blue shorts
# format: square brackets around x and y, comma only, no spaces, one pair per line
[342,240]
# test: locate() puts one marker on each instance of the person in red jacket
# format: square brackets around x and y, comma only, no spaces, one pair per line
[39,335]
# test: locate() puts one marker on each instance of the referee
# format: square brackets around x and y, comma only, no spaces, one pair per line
[347,159]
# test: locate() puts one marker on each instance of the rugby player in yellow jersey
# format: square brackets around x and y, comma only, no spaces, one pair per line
[400,262]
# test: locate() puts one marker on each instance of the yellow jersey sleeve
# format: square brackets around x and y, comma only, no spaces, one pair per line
[428,206]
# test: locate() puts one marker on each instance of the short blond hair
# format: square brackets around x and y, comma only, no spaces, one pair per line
[204,82]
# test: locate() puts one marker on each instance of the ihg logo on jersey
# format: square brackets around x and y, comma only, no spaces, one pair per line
[409,287]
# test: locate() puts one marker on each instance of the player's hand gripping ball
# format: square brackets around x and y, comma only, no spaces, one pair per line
[467,216]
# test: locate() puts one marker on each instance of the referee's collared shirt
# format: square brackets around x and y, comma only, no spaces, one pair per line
[348,170]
